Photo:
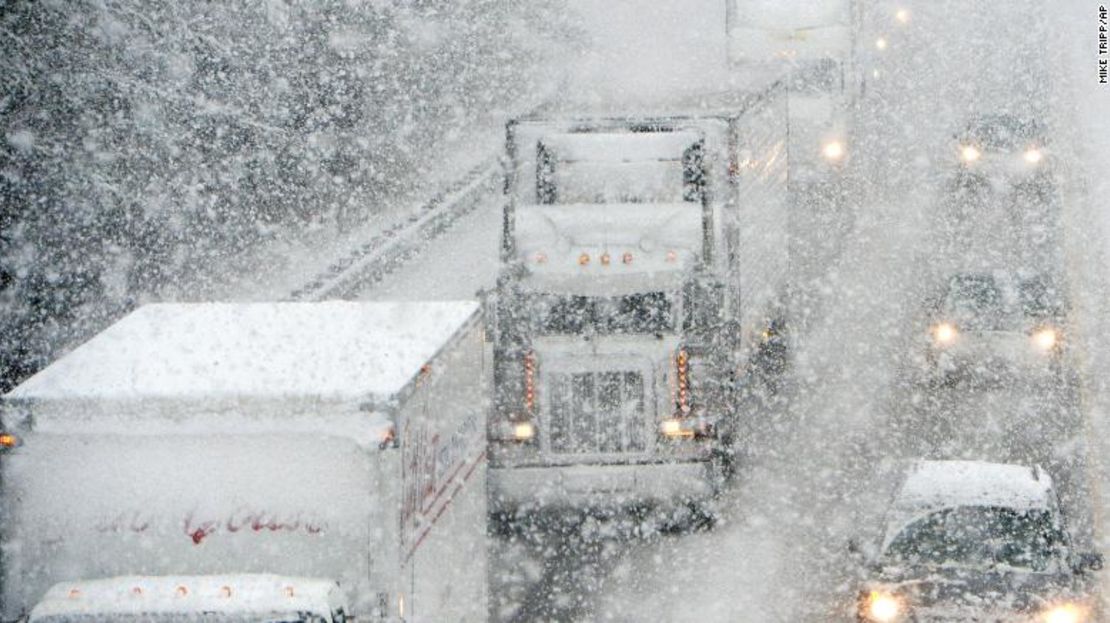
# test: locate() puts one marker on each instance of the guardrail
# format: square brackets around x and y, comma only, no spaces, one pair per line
[369,262]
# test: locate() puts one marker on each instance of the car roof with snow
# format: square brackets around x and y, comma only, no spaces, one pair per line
[931,486]
[263,594]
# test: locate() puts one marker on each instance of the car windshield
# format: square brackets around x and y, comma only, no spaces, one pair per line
[1040,299]
[1004,132]
[977,302]
[647,312]
[821,76]
[980,537]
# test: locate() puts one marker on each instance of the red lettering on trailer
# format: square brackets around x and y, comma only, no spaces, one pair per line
[198,529]
[427,528]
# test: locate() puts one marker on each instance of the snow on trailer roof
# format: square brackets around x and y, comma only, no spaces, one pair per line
[331,349]
[730,94]
[243,594]
[337,368]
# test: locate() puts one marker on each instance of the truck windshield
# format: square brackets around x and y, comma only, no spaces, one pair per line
[816,77]
[648,312]
[982,537]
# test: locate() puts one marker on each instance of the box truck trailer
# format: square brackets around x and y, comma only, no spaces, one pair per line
[340,442]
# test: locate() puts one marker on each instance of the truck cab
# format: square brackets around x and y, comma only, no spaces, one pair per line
[619,324]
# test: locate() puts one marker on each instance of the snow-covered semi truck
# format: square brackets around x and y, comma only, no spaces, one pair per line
[341,441]
[815,43]
[644,265]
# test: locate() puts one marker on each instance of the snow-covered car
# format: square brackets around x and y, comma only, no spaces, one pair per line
[1004,147]
[989,324]
[208,599]
[976,541]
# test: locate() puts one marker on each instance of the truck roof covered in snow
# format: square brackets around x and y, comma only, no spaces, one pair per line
[211,360]
[936,485]
[150,596]
[725,94]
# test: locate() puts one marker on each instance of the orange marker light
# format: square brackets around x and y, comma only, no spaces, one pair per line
[627,257]
[8,440]
[583,259]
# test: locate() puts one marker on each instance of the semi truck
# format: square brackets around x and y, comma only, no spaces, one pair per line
[644,268]
[816,46]
[332,442]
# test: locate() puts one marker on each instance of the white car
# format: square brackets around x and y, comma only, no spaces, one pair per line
[987,325]
[976,541]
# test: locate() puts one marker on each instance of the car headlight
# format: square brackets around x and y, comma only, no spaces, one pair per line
[833,150]
[1064,613]
[970,153]
[883,607]
[1046,338]
[945,333]
[881,43]
[1033,155]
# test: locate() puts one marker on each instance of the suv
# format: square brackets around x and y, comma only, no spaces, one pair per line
[976,541]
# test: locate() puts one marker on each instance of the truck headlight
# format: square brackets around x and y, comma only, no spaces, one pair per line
[1064,613]
[1046,338]
[833,150]
[524,431]
[1033,155]
[970,153]
[513,431]
[883,607]
[945,333]
[674,428]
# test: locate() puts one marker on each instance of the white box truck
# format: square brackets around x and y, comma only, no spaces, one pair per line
[815,45]
[644,266]
[341,441]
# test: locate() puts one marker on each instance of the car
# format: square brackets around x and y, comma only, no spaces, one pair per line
[992,324]
[978,541]
[1004,146]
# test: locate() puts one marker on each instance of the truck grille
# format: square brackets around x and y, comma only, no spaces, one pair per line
[596,412]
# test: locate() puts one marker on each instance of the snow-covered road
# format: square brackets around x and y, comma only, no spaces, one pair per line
[853,415]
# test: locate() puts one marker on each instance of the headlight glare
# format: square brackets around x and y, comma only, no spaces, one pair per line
[833,150]
[970,153]
[1045,338]
[1064,613]
[883,607]
[1033,155]
[945,333]
[524,431]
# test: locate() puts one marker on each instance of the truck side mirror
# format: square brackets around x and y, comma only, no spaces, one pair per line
[1090,561]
